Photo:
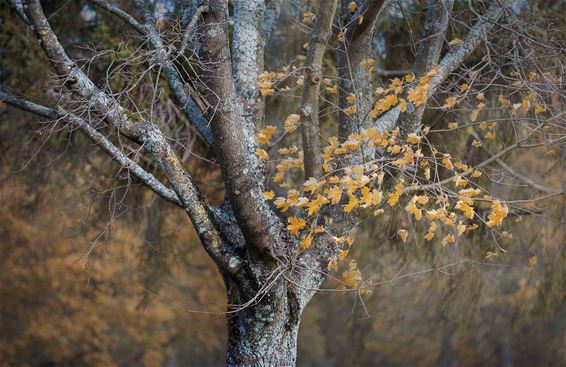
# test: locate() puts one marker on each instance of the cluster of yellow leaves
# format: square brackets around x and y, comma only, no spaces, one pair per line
[295,224]
[291,123]
[353,278]
[418,94]
[498,212]
[267,80]
[261,154]
[265,135]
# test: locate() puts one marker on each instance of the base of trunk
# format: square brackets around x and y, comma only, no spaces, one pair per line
[264,334]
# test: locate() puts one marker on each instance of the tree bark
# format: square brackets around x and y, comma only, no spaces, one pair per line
[264,334]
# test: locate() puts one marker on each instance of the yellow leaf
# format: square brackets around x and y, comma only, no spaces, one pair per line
[476,173]
[350,110]
[295,224]
[267,91]
[431,231]
[409,78]
[367,63]
[412,208]
[308,17]
[449,238]
[291,122]
[268,195]
[402,105]
[352,275]
[334,194]
[490,135]
[312,184]
[461,228]
[450,102]
[505,103]
[318,229]
[352,6]
[455,42]
[315,205]
[306,242]
[532,261]
[403,234]
[452,125]
[261,154]
[413,138]
[465,208]
[447,162]
[498,212]
[351,98]
[464,87]
[265,135]
[394,196]
[476,143]
[540,108]
[352,203]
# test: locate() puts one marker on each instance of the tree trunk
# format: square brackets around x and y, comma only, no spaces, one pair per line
[265,334]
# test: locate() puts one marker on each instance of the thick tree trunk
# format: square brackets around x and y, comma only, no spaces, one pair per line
[264,334]
[253,341]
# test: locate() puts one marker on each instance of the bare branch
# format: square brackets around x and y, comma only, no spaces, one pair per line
[175,81]
[142,131]
[272,11]
[313,78]
[435,26]
[116,154]
[354,78]
[247,56]
[240,166]
[451,61]
[120,14]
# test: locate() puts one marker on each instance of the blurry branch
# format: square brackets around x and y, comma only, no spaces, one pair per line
[173,77]
[272,12]
[313,78]
[18,7]
[512,171]
[146,133]
[100,140]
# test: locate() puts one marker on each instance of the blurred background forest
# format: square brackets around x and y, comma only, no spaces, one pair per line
[96,271]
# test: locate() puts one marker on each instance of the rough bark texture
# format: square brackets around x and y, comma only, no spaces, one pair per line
[264,334]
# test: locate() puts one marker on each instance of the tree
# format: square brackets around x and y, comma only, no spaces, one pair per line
[272,244]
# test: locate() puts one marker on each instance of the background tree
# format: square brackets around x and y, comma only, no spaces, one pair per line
[274,254]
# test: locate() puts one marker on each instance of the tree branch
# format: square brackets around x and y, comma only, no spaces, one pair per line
[354,78]
[247,57]
[241,169]
[313,78]
[452,60]
[272,12]
[434,30]
[113,9]
[176,83]
[142,131]
[100,140]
